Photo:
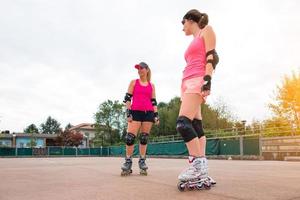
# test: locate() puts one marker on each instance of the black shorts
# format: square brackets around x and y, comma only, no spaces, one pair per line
[142,116]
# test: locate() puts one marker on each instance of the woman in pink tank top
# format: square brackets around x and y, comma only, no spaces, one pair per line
[201,60]
[141,114]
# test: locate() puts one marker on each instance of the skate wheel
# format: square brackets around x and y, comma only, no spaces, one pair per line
[143,172]
[126,173]
[123,174]
[207,186]
[199,186]
[181,186]
[190,188]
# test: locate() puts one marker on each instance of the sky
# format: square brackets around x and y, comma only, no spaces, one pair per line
[63,58]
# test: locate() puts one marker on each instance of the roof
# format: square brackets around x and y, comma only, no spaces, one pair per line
[85,126]
[28,135]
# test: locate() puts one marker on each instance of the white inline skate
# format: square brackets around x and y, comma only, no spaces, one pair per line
[195,176]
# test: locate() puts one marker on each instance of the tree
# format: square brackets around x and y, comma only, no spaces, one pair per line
[276,126]
[31,129]
[286,105]
[69,138]
[168,113]
[32,142]
[110,123]
[5,132]
[51,126]
[68,126]
[217,116]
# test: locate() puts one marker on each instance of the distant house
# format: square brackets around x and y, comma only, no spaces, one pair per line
[87,130]
[24,140]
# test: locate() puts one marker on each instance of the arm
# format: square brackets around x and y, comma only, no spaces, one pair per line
[127,100]
[212,58]
[210,44]
[154,103]
[128,96]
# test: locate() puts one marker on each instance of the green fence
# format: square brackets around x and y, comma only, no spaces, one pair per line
[230,146]
[251,146]
[24,151]
[224,146]
[240,145]
[7,151]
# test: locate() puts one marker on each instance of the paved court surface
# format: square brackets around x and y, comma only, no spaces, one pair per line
[99,178]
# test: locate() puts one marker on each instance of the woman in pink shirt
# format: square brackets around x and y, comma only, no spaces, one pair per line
[141,114]
[201,60]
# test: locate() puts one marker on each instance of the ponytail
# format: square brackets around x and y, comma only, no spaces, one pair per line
[149,75]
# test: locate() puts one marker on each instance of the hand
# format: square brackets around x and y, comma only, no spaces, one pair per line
[129,115]
[205,89]
[205,93]
[156,118]
[156,121]
[128,104]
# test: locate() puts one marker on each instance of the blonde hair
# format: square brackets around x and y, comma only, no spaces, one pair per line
[149,75]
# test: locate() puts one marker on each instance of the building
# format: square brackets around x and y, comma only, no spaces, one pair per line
[25,140]
[87,130]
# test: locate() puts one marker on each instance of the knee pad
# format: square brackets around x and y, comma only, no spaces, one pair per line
[144,138]
[129,139]
[197,125]
[185,128]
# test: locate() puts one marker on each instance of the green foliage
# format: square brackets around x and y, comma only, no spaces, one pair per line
[217,116]
[32,142]
[168,113]
[68,126]
[214,117]
[51,126]
[110,123]
[31,129]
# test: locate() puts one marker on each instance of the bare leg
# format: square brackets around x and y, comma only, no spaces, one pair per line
[189,108]
[202,140]
[145,128]
[133,127]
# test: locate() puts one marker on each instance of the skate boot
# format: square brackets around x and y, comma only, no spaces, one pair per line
[195,176]
[126,168]
[211,180]
[143,167]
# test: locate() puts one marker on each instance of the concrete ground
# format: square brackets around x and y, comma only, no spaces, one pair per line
[99,178]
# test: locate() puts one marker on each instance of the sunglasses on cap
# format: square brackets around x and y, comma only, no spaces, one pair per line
[141,65]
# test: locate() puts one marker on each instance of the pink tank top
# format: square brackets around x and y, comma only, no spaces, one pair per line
[195,57]
[142,95]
